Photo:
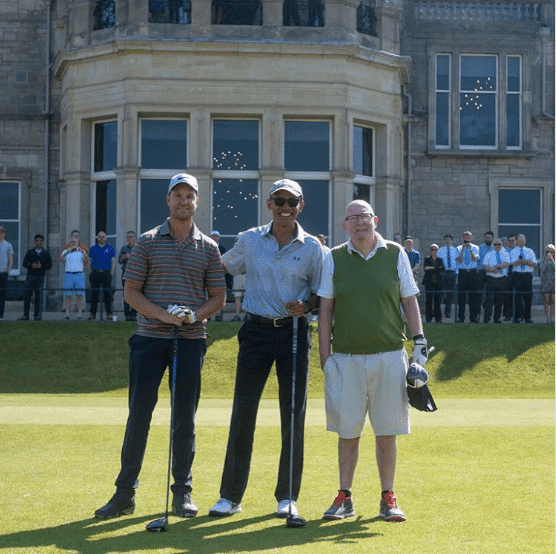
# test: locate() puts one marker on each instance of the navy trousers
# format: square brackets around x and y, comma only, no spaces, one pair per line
[148,360]
[260,345]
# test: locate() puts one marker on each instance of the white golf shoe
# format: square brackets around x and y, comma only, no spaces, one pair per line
[225,507]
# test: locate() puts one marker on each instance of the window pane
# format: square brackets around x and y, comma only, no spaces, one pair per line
[314,217]
[237,12]
[478,73]
[307,146]
[106,207]
[303,13]
[163,144]
[443,73]
[477,119]
[9,201]
[362,192]
[234,205]
[235,145]
[170,11]
[442,119]
[363,150]
[153,209]
[106,140]
[519,206]
[513,119]
[514,74]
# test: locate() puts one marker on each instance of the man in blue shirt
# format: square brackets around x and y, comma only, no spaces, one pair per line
[413,255]
[468,279]
[449,254]
[103,266]
[282,265]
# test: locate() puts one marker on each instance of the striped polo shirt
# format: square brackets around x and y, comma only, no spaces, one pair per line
[173,273]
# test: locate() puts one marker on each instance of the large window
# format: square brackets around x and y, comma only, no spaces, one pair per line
[105,156]
[153,208]
[307,161]
[163,144]
[235,185]
[170,11]
[519,211]
[363,162]
[10,217]
[487,98]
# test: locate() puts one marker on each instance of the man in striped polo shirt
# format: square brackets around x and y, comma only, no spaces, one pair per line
[173,264]
[363,283]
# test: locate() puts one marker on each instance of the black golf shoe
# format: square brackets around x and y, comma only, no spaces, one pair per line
[183,505]
[119,505]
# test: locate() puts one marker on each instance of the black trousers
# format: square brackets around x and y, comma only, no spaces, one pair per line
[98,278]
[523,284]
[3,285]
[260,345]
[148,360]
[433,295]
[33,283]
[495,291]
[468,283]
[449,286]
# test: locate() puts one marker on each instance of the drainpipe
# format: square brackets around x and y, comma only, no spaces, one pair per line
[46,129]
[409,170]
[545,33]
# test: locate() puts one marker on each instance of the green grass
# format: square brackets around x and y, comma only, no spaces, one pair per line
[472,477]
[82,358]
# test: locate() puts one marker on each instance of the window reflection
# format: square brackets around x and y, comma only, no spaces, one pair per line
[237,12]
[303,13]
[163,144]
[170,11]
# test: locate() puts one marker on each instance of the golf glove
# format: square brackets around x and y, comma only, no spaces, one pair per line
[182,311]
[420,351]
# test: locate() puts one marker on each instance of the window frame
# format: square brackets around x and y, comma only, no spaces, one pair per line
[438,91]
[17,251]
[519,93]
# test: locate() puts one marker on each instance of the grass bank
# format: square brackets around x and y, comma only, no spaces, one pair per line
[504,361]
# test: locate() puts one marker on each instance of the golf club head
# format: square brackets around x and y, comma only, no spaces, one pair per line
[295,521]
[158,525]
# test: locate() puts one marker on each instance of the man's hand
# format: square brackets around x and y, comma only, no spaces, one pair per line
[420,352]
[182,311]
[297,308]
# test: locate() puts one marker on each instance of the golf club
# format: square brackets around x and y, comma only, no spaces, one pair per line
[293,520]
[161,525]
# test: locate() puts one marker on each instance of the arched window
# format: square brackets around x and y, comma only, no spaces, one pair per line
[303,13]
[104,14]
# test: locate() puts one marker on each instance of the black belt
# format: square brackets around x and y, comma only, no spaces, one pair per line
[467,270]
[276,322]
[101,270]
[74,272]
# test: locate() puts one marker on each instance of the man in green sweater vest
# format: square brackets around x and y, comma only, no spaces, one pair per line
[364,283]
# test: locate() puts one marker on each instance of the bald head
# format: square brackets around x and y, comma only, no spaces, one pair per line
[358,207]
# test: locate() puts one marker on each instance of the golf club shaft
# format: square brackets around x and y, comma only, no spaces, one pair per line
[292,416]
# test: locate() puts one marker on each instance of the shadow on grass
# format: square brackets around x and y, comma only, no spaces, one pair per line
[202,535]
[464,346]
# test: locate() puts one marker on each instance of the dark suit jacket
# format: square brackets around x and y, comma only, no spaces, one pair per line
[433,276]
[31,257]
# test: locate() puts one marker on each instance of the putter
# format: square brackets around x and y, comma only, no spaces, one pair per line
[161,525]
[293,520]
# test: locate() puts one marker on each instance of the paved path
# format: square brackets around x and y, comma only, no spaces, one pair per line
[88,410]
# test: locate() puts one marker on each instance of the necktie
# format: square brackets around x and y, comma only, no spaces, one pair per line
[498,261]
[449,257]
[521,256]
[466,256]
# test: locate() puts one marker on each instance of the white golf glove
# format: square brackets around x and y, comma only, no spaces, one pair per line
[182,311]
[420,351]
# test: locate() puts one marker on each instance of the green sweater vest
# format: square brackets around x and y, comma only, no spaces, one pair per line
[367,317]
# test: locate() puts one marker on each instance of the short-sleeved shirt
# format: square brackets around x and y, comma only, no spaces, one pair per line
[469,264]
[407,282]
[101,256]
[5,250]
[523,253]
[274,275]
[414,257]
[74,261]
[174,273]
[491,260]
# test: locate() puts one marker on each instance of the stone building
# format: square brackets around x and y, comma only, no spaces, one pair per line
[104,100]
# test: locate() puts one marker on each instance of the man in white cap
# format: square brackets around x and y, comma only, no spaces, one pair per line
[282,266]
[175,280]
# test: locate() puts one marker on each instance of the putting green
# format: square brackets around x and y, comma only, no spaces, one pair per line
[91,410]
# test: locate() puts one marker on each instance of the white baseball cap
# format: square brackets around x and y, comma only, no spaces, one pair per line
[183,178]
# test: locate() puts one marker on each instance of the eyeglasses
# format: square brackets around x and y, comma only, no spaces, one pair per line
[365,218]
[292,202]
[434,248]
[497,244]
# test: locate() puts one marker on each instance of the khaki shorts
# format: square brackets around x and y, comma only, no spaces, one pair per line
[374,384]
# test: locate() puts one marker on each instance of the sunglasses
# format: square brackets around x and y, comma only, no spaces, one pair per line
[497,244]
[292,202]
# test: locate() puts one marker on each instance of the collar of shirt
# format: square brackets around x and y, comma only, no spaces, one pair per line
[299,232]
[379,244]
[165,230]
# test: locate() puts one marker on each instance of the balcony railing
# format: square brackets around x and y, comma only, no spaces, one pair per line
[303,13]
[170,11]
[104,14]
[476,12]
